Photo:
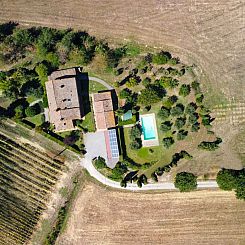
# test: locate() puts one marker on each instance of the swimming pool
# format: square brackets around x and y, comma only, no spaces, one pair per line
[148,126]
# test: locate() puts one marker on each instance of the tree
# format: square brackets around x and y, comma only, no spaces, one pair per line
[199,98]
[196,86]
[135,132]
[173,61]
[154,177]
[22,38]
[100,163]
[181,135]
[125,93]
[210,146]
[227,179]
[195,127]
[191,108]
[193,118]
[180,122]
[166,126]
[32,110]
[132,82]
[149,96]
[185,181]
[163,113]
[161,58]
[19,111]
[167,142]
[177,110]
[185,90]
[136,144]
[146,82]
[42,71]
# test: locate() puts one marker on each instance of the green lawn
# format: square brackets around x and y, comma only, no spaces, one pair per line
[31,99]
[160,155]
[88,123]
[37,120]
[95,87]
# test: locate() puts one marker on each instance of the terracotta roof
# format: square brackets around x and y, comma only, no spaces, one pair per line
[103,111]
[62,73]
[63,100]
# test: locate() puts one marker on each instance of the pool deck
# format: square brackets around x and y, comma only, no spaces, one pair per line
[150,142]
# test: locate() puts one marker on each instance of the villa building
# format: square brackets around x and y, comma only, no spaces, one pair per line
[64,101]
[103,111]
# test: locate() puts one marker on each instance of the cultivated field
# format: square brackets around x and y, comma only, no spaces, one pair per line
[107,217]
[208,32]
[30,179]
[27,178]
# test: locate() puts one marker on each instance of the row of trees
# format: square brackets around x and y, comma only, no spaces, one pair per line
[54,46]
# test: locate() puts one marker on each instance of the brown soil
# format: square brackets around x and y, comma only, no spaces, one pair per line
[208,32]
[101,216]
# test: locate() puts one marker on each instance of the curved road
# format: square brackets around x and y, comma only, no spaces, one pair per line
[87,164]
[96,79]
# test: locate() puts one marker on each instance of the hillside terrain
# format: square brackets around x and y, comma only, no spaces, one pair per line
[209,33]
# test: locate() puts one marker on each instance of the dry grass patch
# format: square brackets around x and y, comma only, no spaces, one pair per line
[101,216]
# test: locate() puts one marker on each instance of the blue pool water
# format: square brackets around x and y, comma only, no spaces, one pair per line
[148,127]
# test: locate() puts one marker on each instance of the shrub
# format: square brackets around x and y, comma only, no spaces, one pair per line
[196,86]
[185,181]
[185,90]
[167,142]
[100,163]
[173,61]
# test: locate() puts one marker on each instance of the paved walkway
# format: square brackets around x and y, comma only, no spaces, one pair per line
[96,79]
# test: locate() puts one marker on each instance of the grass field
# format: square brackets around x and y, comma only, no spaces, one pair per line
[101,216]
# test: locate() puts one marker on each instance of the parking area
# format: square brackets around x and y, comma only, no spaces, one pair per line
[96,146]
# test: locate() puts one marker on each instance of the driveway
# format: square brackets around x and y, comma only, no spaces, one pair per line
[86,163]
[96,146]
